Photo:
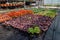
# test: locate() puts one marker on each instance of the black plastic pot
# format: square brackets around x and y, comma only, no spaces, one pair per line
[11,7]
[27,3]
[4,7]
[3,2]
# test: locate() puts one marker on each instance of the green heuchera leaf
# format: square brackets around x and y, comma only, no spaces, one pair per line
[30,30]
[36,10]
[50,13]
[42,13]
[34,30]
[45,12]
[37,30]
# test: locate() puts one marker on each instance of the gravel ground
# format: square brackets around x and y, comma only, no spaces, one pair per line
[14,34]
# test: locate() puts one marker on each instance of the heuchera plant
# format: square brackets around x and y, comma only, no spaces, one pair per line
[34,30]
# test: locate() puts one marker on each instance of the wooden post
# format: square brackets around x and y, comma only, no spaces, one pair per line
[24,4]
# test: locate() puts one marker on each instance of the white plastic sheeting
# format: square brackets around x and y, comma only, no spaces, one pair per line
[51,2]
